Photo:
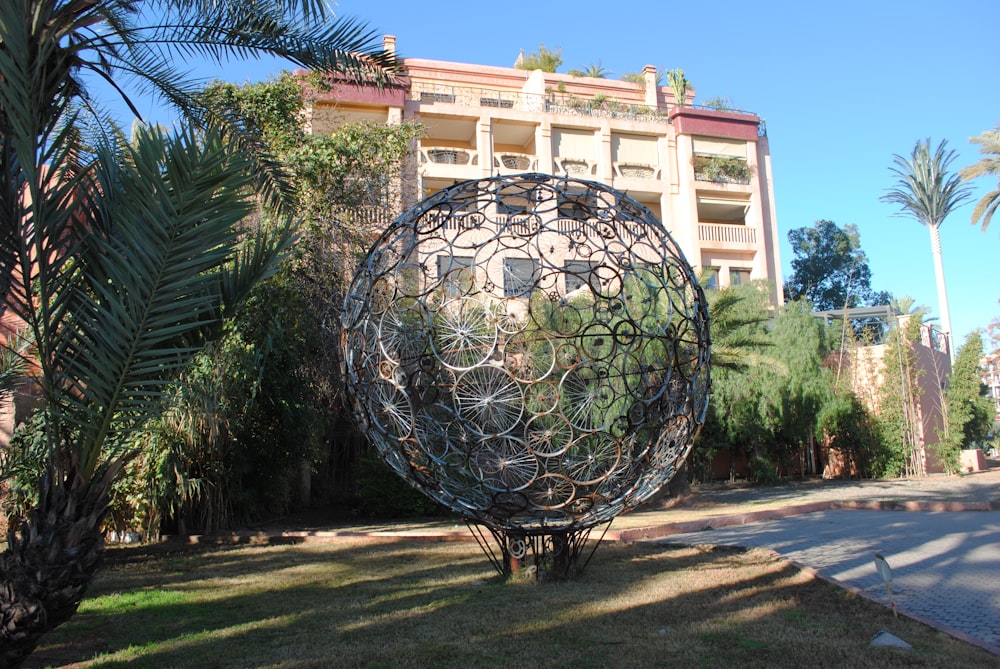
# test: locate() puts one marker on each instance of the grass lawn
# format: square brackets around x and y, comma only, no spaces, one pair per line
[419,604]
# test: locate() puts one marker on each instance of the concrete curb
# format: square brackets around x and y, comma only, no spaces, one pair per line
[950,631]
[653,531]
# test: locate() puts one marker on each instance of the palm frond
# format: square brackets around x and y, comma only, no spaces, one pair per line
[924,190]
[740,340]
[988,165]
[150,277]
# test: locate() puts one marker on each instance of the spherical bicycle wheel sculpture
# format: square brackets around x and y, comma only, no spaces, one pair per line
[532,352]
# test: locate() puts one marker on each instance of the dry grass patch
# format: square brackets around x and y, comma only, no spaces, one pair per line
[409,604]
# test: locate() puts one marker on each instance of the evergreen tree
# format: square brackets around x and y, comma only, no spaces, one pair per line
[968,412]
[798,395]
[741,349]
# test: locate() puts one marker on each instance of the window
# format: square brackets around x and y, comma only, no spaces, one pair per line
[738,276]
[577,204]
[455,273]
[519,276]
[579,273]
[426,96]
[496,102]
[635,155]
[572,143]
[515,200]
[711,275]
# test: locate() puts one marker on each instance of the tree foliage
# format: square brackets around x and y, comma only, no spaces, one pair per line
[594,70]
[679,85]
[830,269]
[924,189]
[124,259]
[741,349]
[895,401]
[988,165]
[260,412]
[544,59]
[969,412]
[926,192]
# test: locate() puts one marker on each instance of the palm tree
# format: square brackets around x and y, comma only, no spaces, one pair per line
[926,192]
[988,165]
[123,259]
[594,70]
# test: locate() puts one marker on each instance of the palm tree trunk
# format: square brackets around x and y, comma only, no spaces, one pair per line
[48,565]
[942,292]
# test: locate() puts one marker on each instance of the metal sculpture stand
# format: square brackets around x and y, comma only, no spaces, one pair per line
[543,557]
[531,352]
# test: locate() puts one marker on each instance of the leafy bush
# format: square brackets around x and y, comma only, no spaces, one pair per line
[723,169]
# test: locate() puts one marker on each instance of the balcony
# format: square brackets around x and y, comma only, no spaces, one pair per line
[727,235]
[469,96]
[447,162]
[575,167]
[604,108]
[514,163]
[631,170]
[721,169]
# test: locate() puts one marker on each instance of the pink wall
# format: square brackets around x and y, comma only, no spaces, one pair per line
[710,122]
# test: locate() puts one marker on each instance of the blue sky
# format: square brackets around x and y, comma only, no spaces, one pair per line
[842,85]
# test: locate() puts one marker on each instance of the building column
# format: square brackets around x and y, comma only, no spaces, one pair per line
[605,168]
[685,205]
[769,241]
[649,78]
[543,147]
[484,145]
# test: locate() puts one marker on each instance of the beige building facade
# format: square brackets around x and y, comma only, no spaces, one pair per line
[704,173]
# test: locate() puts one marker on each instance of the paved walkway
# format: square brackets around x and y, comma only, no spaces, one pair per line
[945,566]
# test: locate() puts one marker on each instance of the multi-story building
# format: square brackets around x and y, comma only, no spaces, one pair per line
[705,173]
[989,369]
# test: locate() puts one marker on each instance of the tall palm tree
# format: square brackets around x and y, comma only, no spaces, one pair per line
[123,259]
[926,192]
[988,165]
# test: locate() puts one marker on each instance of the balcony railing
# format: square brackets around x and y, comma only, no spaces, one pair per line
[568,104]
[529,223]
[637,170]
[727,233]
[448,156]
[511,163]
[574,167]
[469,96]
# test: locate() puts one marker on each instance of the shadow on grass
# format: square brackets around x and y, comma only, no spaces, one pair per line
[403,604]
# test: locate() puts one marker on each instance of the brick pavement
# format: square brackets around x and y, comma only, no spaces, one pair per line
[945,565]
